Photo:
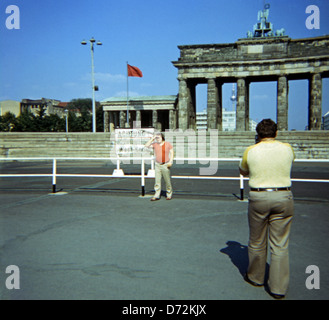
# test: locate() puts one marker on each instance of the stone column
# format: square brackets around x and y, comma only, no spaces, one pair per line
[282,103]
[242,106]
[116,120]
[214,108]
[111,121]
[247,112]
[138,122]
[128,123]
[185,105]
[219,107]
[138,116]
[192,106]
[315,102]
[123,119]
[172,119]
[106,121]
[154,119]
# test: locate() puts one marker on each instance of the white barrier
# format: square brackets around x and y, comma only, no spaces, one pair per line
[118,172]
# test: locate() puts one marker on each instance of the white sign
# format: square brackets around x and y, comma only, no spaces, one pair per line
[130,142]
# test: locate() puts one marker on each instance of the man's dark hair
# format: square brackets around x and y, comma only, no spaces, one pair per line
[161,134]
[267,128]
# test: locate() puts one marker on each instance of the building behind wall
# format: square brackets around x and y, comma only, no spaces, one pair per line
[159,112]
[11,106]
[326,121]
[228,121]
[50,106]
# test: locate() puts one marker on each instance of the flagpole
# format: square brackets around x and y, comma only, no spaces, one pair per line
[127,125]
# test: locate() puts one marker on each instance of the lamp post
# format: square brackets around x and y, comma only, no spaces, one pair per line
[92,41]
[67,120]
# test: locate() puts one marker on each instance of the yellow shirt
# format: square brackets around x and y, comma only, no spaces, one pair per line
[268,164]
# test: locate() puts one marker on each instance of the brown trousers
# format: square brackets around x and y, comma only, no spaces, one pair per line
[162,170]
[270,214]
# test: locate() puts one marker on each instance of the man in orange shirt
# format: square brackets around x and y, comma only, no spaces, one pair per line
[164,157]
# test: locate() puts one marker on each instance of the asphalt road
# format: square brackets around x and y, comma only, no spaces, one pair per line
[97,238]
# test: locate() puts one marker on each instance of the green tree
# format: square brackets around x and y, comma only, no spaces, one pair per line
[80,105]
[29,122]
[26,122]
[7,122]
[79,123]
[53,123]
[40,120]
[83,123]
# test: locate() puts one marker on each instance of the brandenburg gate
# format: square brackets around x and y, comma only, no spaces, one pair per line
[262,56]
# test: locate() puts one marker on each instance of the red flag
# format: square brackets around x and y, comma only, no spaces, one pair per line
[134,72]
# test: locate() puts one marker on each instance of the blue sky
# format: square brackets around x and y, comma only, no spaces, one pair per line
[44,58]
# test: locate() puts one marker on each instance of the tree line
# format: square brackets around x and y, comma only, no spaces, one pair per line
[41,122]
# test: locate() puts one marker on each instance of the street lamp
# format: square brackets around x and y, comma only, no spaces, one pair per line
[67,120]
[92,41]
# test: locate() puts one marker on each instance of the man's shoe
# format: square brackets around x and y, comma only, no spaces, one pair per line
[277,296]
[253,283]
[168,198]
[155,199]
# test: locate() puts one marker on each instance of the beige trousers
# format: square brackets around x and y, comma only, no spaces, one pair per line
[162,170]
[270,214]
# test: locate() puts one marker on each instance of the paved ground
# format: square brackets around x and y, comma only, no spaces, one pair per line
[98,239]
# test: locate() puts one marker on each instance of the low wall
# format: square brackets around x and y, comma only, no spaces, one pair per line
[306,144]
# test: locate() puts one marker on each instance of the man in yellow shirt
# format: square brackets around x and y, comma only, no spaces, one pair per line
[270,209]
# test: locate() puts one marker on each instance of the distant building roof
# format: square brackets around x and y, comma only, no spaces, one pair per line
[62,104]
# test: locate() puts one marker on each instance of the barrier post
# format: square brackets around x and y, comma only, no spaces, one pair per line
[54,174]
[118,172]
[143,177]
[241,187]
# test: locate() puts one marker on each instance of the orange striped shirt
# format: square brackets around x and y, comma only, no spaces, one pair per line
[162,152]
